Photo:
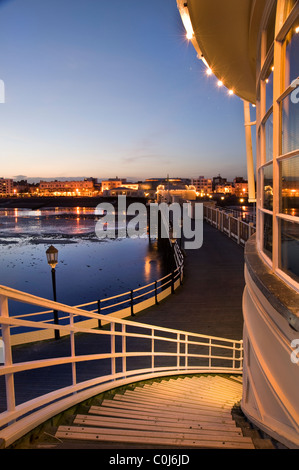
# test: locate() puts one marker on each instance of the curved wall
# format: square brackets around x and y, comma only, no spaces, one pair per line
[271,364]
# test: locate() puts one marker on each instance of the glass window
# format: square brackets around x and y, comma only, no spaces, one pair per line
[269,138]
[289,193]
[290,121]
[269,90]
[267,241]
[289,233]
[292,55]
[268,187]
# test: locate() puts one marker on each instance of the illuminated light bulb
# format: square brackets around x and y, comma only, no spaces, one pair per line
[220,83]
[230,92]
[272,68]
[297,29]
[189,35]
[209,71]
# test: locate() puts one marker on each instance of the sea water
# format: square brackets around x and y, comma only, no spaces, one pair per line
[88,268]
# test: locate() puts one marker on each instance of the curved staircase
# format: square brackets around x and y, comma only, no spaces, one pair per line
[190,412]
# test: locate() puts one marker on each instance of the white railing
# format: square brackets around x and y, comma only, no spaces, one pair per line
[122,305]
[234,227]
[88,361]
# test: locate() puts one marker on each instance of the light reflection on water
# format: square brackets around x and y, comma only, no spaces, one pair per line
[88,268]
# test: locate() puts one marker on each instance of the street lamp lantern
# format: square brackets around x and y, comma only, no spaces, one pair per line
[52,256]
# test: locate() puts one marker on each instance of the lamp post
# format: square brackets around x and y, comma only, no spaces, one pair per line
[52,258]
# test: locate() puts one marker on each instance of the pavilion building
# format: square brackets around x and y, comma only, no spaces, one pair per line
[252,48]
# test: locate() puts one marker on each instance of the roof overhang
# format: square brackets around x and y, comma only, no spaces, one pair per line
[225,36]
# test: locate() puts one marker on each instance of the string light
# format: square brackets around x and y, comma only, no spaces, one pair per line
[220,83]
[230,92]
[297,29]
[209,71]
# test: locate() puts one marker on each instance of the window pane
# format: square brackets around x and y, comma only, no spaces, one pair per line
[292,56]
[289,201]
[290,122]
[269,91]
[267,242]
[290,248]
[269,138]
[268,187]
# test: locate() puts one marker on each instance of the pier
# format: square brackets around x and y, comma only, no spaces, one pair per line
[197,330]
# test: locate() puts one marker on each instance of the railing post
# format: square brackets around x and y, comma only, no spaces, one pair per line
[156,293]
[229,225]
[9,378]
[112,331]
[99,312]
[186,351]
[73,352]
[210,353]
[234,355]
[239,229]
[153,349]
[124,349]
[178,350]
[172,282]
[132,304]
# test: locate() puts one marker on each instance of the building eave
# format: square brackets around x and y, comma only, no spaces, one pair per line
[225,36]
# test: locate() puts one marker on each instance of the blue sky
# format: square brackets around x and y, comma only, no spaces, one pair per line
[110,88]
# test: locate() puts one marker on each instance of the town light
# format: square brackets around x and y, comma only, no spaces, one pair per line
[52,258]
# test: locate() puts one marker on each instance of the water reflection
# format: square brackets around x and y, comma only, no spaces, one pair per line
[88,268]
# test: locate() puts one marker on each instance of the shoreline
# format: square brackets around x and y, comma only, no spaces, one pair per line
[60,201]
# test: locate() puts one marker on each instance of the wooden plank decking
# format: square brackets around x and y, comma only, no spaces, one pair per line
[185,412]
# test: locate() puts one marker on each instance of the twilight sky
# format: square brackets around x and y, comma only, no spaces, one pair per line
[110,88]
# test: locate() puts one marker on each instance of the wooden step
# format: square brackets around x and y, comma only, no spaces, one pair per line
[191,396]
[156,438]
[165,409]
[123,423]
[151,419]
[154,414]
[194,386]
[184,412]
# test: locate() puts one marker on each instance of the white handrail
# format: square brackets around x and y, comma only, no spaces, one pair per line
[159,286]
[141,343]
[233,227]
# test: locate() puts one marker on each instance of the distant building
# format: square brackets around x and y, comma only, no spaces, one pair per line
[67,188]
[225,188]
[241,187]
[170,194]
[112,183]
[218,180]
[129,191]
[6,187]
[202,185]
